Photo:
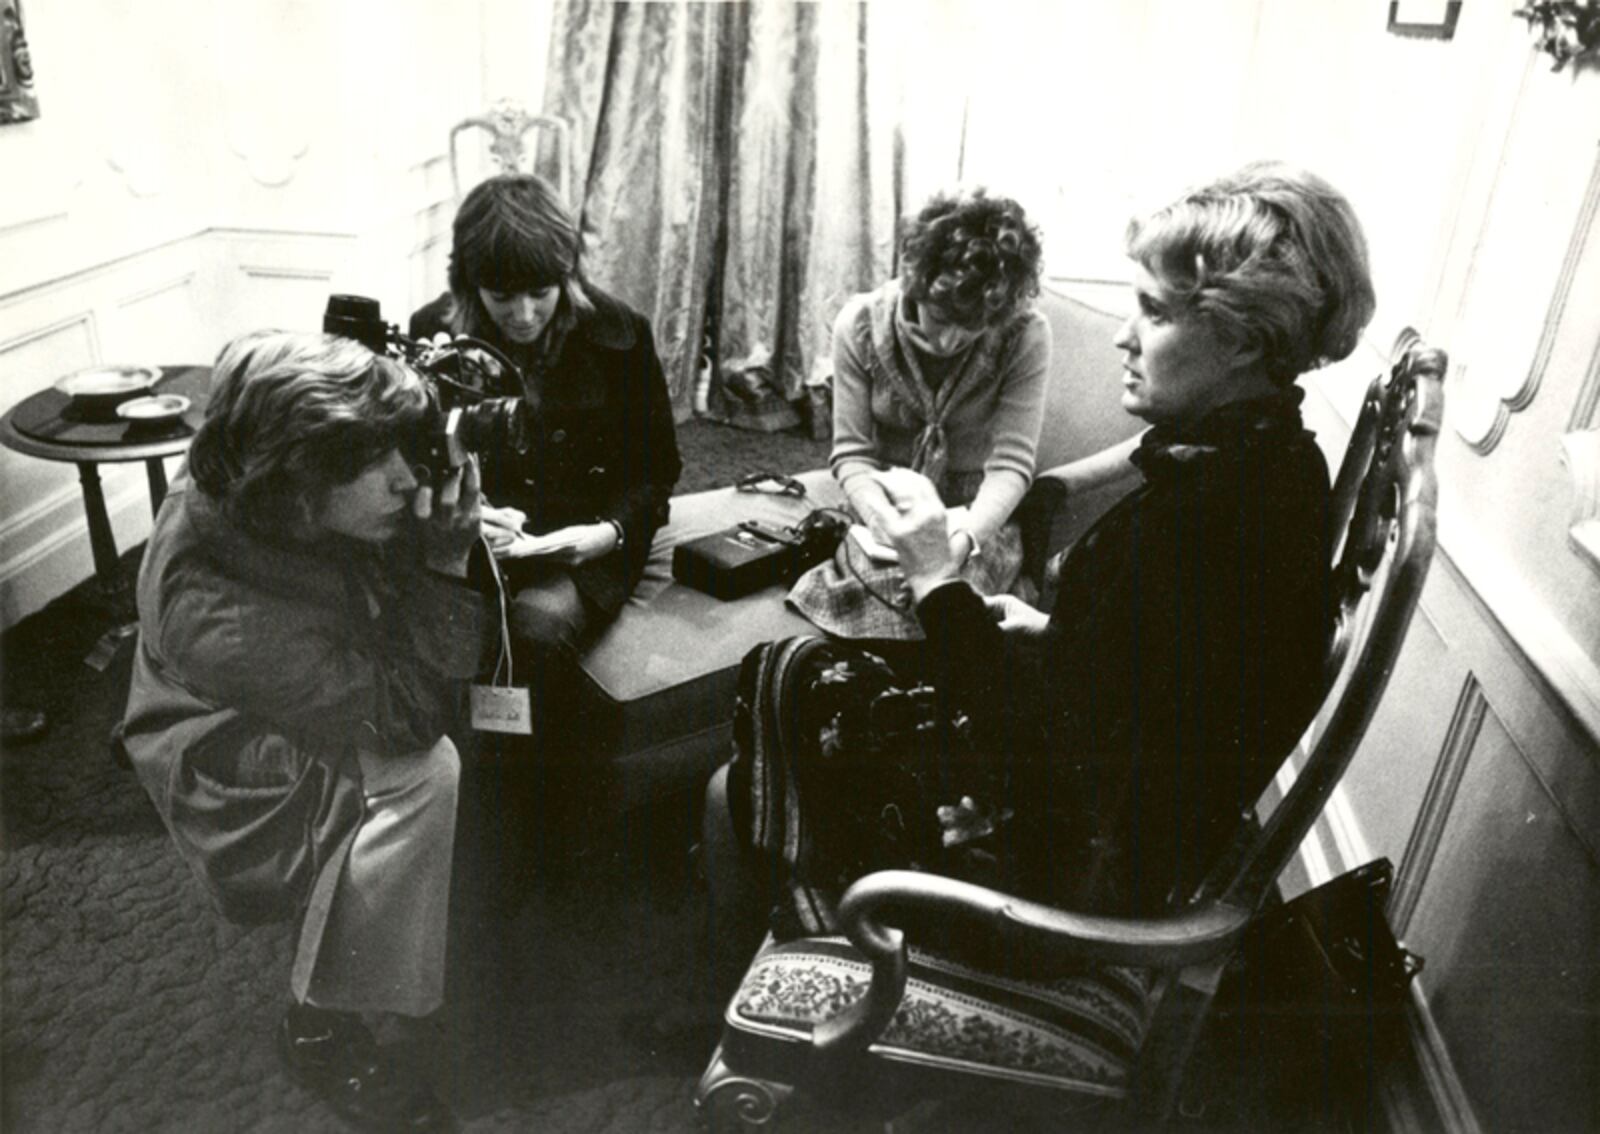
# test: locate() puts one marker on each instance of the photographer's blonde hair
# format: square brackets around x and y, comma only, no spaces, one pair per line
[292,415]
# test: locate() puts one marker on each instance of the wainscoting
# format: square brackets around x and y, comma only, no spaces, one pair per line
[1480,780]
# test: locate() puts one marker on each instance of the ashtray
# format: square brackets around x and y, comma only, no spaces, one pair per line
[156,410]
[98,391]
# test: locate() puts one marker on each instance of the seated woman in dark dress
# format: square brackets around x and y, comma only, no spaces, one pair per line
[1130,727]
[602,460]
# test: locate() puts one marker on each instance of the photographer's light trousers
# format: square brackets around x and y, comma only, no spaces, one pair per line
[374,936]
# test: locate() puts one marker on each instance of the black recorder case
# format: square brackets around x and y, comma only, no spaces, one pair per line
[738,560]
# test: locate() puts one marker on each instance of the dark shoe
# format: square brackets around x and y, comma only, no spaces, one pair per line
[334,1055]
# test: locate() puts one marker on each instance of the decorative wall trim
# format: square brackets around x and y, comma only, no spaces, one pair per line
[1417,1099]
[88,272]
[1540,643]
[84,319]
[11,228]
[36,574]
[1446,1099]
[1417,860]
[285,272]
[176,283]
[1483,429]
[133,494]
[1586,410]
[32,514]
[1580,453]
[142,178]
[272,166]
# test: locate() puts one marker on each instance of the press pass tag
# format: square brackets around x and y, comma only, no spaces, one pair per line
[502,708]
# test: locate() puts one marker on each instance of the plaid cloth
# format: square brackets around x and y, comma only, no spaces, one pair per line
[854,596]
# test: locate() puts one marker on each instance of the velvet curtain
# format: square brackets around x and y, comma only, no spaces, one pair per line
[740,174]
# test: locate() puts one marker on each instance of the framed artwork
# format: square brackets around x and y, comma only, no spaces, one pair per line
[1424,19]
[17,100]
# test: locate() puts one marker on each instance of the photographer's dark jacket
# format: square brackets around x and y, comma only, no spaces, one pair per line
[603,446]
[1182,660]
[261,668]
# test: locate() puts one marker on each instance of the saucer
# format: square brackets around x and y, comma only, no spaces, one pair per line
[108,381]
[153,410]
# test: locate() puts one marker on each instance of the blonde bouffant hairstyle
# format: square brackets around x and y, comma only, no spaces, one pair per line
[1273,256]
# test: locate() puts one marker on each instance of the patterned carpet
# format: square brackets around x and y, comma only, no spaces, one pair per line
[129,1006]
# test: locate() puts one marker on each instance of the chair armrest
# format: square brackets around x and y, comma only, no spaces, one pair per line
[1188,937]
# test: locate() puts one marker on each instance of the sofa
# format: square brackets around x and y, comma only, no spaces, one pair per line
[659,681]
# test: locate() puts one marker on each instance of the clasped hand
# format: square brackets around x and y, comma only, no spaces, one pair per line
[913,519]
[907,513]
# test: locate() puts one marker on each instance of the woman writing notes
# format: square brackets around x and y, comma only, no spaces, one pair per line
[942,371]
[596,476]
[1182,656]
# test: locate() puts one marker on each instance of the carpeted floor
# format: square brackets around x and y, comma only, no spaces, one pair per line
[128,1005]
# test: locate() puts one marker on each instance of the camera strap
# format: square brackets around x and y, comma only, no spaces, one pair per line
[496,707]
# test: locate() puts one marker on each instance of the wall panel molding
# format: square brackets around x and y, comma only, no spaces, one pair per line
[16,524]
[176,283]
[84,318]
[1542,646]
[1486,405]
[1446,1106]
[1412,872]
[1580,454]
[285,272]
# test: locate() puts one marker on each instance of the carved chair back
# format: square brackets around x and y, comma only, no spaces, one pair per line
[1383,531]
[509,125]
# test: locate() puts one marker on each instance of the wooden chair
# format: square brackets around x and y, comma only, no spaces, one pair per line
[879,1019]
[509,124]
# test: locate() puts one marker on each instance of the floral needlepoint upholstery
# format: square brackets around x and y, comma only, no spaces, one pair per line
[1084,1029]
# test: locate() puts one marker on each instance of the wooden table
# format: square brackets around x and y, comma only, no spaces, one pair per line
[42,425]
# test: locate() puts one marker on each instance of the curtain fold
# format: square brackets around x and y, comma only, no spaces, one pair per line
[739,166]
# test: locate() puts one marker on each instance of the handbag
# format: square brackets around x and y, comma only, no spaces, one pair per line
[1313,1006]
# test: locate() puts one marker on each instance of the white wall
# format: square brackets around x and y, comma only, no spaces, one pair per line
[205,167]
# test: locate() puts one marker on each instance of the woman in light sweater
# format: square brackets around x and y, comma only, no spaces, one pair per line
[942,371]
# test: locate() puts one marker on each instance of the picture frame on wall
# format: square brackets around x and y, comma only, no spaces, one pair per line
[1424,19]
[18,103]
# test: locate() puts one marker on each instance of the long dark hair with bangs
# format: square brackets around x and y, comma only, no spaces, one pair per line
[292,415]
[512,233]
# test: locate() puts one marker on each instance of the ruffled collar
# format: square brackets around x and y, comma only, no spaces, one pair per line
[1232,429]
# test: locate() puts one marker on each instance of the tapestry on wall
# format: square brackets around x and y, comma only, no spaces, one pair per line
[17,100]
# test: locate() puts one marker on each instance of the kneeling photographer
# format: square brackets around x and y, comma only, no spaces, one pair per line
[309,615]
